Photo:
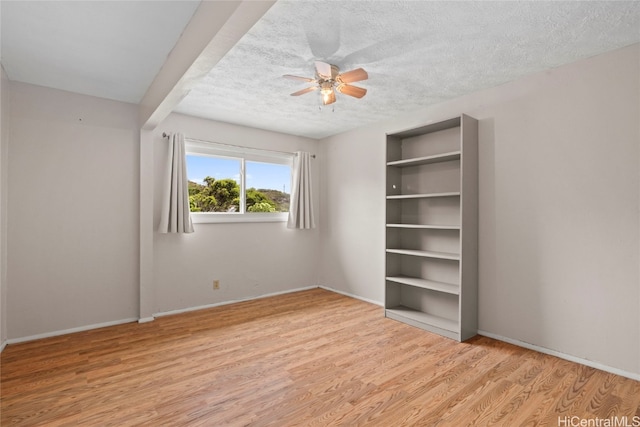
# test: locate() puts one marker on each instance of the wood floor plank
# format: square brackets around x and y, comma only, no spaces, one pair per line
[311,358]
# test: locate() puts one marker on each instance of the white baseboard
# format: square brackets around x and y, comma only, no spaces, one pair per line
[69,331]
[327,288]
[218,304]
[586,362]
[142,319]
[561,355]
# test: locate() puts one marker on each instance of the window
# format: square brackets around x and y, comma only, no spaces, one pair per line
[234,184]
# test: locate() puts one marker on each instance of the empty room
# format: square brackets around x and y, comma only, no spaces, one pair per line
[319,213]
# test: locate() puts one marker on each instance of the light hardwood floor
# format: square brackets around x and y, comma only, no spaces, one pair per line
[308,358]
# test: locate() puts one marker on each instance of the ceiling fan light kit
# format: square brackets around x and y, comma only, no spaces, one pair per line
[329,80]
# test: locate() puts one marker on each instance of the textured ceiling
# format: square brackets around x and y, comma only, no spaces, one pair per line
[416,53]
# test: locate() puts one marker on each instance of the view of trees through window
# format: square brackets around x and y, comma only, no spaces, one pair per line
[214,185]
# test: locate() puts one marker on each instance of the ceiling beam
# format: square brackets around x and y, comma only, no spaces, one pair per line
[216,26]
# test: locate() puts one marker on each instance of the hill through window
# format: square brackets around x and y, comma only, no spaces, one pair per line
[236,185]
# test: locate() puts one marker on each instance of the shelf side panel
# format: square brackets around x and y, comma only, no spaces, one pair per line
[394,148]
[469,228]
[394,181]
[392,294]
[393,212]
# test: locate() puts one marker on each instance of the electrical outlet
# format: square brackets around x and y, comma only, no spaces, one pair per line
[216,284]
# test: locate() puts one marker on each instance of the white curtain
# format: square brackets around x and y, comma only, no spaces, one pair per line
[301,206]
[175,216]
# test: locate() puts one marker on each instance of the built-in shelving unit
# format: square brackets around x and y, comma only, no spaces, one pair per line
[431,227]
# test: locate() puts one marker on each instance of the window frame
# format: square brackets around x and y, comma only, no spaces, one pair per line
[244,154]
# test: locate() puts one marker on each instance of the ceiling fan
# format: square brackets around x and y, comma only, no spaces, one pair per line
[328,79]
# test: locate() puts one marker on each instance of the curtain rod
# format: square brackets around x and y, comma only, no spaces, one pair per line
[166,135]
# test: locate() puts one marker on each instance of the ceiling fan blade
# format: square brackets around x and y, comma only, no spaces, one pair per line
[355,91]
[330,98]
[304,79]
[353,76]
[323,69]
[305,90]
[322,30]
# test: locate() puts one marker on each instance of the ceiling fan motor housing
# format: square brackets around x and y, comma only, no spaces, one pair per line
[326,84]
[328,78]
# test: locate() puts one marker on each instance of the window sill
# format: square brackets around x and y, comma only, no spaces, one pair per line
[215,218]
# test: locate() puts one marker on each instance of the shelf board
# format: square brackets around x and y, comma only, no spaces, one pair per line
[423,196]
[425,226]
[425,254]
[417,161]
[421,317]
[426,284]
[430,128]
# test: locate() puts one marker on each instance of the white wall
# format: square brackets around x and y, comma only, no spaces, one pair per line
[73,211]
[352,208]
[4,140]
[249,259]
[559,208]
